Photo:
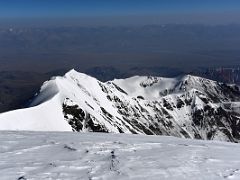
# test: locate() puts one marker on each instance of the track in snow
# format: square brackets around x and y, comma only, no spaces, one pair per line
[52,155]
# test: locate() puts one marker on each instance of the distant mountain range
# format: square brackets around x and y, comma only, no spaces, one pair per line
[185,106]
[224,74]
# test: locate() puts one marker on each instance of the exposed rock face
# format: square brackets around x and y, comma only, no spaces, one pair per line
[189,106]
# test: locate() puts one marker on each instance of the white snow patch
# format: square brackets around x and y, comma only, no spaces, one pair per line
[70,156]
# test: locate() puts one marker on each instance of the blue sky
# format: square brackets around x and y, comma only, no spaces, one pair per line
[74,8]
[122,12]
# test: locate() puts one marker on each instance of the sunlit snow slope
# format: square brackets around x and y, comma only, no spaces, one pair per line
[72,156]
[185,106]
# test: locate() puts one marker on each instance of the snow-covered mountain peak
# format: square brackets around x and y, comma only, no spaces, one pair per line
[189,82]
[73,74]
[186,106]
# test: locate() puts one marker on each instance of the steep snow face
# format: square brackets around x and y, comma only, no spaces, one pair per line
[47,116]
[187,106]
[74,156]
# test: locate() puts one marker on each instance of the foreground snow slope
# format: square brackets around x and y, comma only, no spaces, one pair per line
[46,116]
[185,106]
[63,156]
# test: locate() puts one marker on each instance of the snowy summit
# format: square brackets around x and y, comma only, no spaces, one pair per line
[185,106]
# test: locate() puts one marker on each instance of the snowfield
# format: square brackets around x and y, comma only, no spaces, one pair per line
[67,155]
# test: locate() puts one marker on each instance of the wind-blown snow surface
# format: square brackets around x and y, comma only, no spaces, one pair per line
[186,106]
[66,155]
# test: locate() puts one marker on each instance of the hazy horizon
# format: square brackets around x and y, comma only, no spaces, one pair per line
[110,39]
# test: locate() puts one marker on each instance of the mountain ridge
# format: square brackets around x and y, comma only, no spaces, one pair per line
[186,106]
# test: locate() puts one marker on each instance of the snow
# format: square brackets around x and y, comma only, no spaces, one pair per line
[133,86]
[46,113]
[66,155]
[47,116]
[139,104]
